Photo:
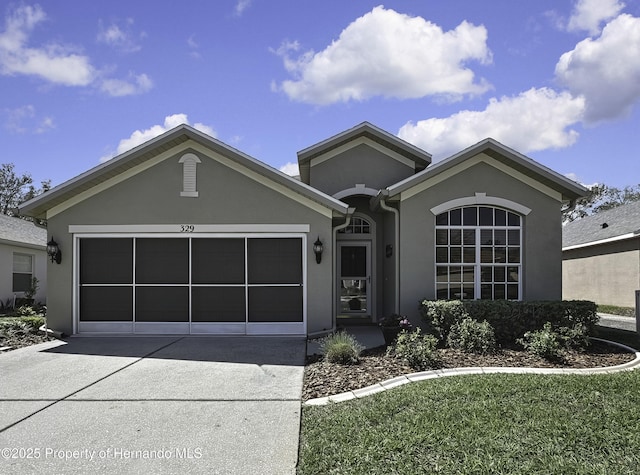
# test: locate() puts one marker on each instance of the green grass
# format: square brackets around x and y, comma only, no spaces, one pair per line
[614,310]
[515,424]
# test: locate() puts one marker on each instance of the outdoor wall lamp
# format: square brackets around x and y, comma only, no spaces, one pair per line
[53,251]
[317,249]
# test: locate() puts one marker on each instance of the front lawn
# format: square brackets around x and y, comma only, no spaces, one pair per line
[516,424]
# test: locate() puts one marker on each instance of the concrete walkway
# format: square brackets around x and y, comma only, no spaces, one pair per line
[617,321]
[214,405]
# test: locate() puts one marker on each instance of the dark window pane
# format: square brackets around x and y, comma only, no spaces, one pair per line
[486,255]
[513,274]
[468,274]
[279,261]
[106,261]
[485,292]
[486,216]
[455,237]
[455,274]
[162,261]
[21,282]
[275,304]
[512,292]
[470,216]
[442,292]
[486,237]
[353,260]
[499,274]
[442,274]
[469,237]
[514,237]
[500,237]
[468,292]
[500,254]
[106,304]
[501,217]
[441,255]
[442,236]
[469,254]
[442,219]
[218,304]
[486,274]
[455,292]
[455,255]
[514,219]
[455,217]
[514,255]
[217,261]
[499,292]
[162,304]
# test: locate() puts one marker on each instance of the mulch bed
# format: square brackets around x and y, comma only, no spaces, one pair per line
[325,379]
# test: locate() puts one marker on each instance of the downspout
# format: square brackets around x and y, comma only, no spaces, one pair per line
[334,239]
[396,216]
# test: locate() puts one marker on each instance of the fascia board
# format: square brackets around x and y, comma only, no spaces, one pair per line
[622,237]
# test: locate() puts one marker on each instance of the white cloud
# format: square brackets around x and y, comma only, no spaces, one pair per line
[385,53]
[139,137]
[605,70]
[25,120]
[241,6]
[534,120]
[587,15]
[53,62]
[290,168]
[135,85]
[120,35]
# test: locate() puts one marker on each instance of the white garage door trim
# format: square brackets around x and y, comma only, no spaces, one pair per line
[187,232]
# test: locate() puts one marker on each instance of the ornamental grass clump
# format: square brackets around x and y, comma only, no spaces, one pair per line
[472,336]
[416,349]
[341,348]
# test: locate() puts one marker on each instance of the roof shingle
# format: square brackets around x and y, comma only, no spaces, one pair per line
[624,219]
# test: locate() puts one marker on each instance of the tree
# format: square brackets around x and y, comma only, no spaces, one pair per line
[601,198]
[15,189]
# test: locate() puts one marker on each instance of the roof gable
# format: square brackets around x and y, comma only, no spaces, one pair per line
[108,173]
[505,158]
[364,133]
[617,223]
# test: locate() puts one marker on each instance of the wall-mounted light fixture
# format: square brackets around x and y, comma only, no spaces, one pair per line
[388,250]
[317,249]
[53,251]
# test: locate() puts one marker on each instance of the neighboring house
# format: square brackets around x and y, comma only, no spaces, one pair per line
[601,256]
[23,256]
[185,234]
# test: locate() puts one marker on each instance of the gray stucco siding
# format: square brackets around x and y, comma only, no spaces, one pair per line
[226,196]
[541,233]
[360,164]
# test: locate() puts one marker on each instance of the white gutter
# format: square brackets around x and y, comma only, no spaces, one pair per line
[622,237]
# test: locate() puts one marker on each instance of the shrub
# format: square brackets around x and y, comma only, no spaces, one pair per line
[341,348]
[440,315]
[471,336]
[416,349]
[544,343]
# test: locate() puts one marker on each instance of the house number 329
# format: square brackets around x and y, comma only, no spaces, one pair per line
[187,228]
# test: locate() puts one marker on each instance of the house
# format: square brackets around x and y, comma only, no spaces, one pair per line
[185,234]
[23,256]
[601,256]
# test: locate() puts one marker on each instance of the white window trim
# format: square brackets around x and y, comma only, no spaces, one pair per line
[481,199]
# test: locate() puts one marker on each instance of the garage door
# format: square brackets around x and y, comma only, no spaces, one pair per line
[187,285]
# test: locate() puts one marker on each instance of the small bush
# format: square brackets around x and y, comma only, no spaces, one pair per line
[545,343]
[471,336]
[418,350]
[440,315]
[341,348]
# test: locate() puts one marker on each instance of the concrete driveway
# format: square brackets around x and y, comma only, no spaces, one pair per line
[152,405]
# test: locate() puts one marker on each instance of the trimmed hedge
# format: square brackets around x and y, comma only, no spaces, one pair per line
[509,319]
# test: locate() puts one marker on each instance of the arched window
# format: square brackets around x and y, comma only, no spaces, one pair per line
[357,225]
[478,253]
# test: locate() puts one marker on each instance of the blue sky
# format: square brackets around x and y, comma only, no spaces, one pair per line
[557,80]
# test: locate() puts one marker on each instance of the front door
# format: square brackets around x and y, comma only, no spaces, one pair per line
[354,279]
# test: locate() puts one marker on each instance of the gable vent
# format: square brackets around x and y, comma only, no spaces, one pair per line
[189,163]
